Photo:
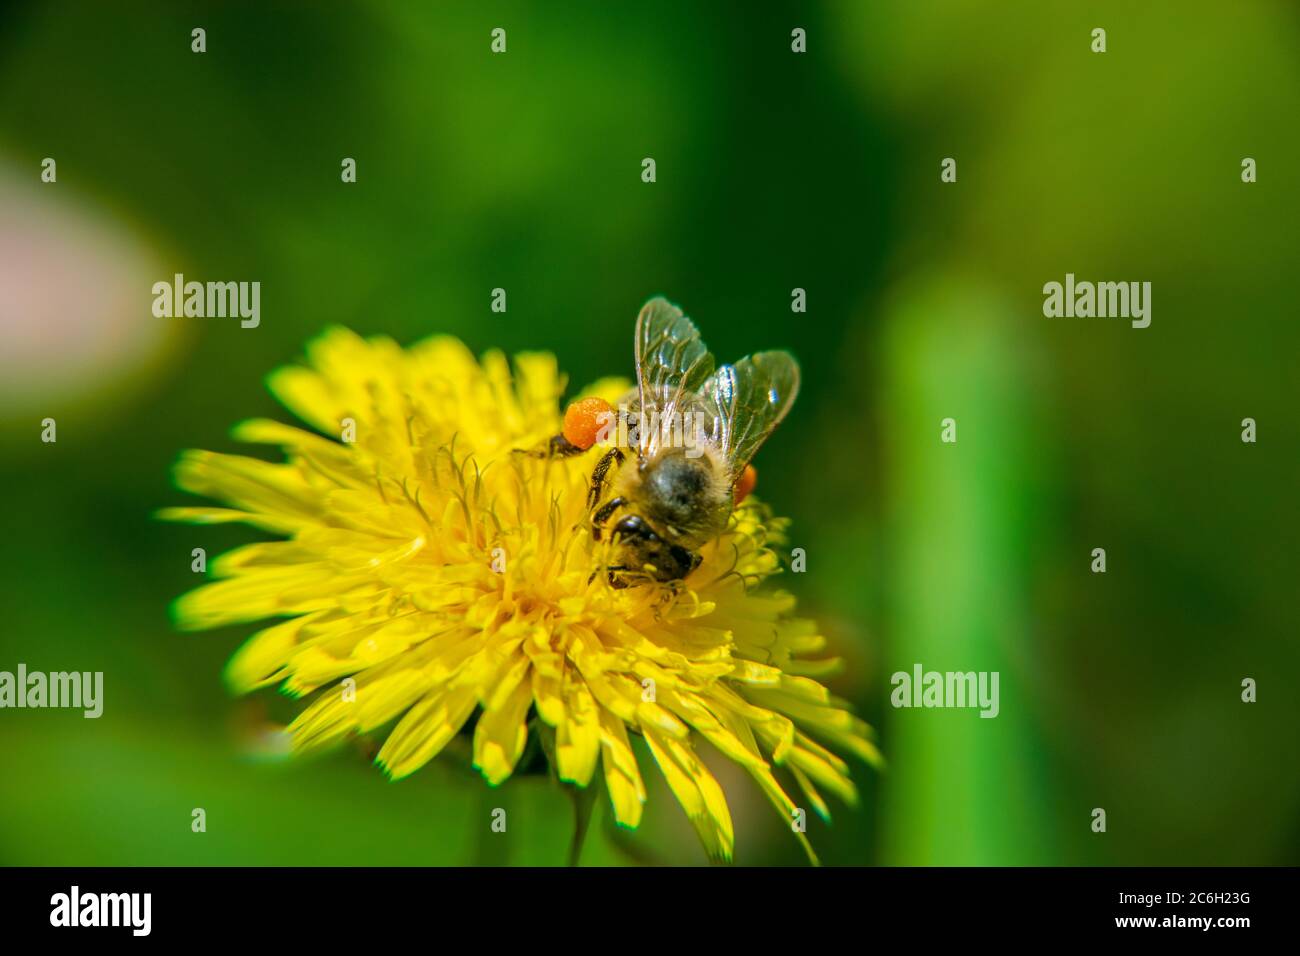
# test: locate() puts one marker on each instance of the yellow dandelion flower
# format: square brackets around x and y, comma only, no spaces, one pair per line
[440,577]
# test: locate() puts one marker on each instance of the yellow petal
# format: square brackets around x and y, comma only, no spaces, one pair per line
[698,793]
[622,775]
[502,732]
[425,730]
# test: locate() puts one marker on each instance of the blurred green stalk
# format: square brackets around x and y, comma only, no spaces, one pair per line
[962,789]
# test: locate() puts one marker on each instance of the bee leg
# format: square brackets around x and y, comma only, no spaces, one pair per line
[598,475]
[602,515]
[612,580]
[561,447]
[556,447]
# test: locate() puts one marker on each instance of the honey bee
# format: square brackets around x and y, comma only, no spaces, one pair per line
[694,429]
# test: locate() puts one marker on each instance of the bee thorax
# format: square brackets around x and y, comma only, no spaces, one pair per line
[684,499]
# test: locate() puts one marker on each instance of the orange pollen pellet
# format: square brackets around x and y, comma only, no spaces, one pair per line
[745,483]
[584,419]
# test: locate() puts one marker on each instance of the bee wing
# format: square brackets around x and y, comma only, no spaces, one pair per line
[672,364]
[747,401]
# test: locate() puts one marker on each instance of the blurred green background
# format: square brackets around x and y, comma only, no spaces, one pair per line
[774,171]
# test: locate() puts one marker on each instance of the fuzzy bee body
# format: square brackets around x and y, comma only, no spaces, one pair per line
[697,429]
[687,499]
[670,506]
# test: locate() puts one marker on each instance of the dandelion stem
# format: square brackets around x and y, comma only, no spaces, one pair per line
[584,801]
